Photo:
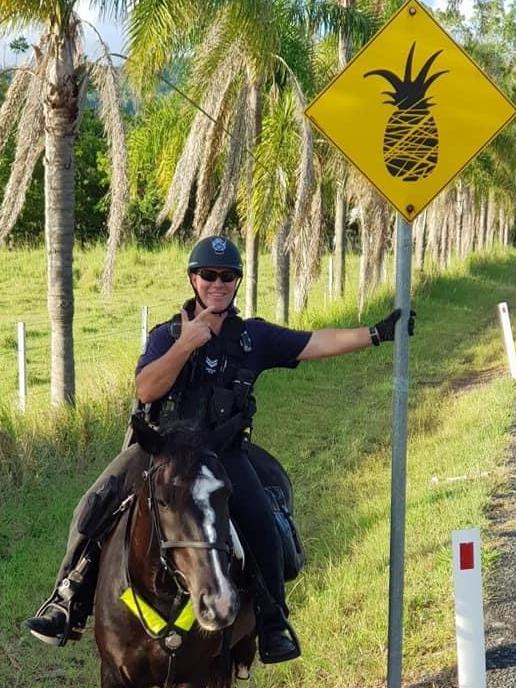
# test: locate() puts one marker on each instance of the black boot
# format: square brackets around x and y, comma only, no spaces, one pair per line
[50,626]
[63,616]
[277,641]
[54,624]
[277,646]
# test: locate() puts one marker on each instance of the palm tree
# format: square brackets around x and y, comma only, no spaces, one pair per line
[348,24]
[243,52]
[232,63]
[45,102]
[479,208]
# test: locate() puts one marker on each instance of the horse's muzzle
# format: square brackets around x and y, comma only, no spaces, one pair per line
[216,611]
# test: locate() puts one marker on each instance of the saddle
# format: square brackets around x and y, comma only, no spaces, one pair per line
[107,504]
[293,550]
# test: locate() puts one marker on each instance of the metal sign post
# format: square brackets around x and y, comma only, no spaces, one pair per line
[399,451]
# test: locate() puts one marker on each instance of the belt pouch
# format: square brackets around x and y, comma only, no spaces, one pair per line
[221,406]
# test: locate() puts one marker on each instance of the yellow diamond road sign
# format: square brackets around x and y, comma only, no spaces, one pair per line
[411,110]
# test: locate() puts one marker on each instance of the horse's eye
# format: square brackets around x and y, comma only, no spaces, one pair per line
[162,503]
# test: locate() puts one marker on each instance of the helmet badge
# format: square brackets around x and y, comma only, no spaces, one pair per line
[219,245]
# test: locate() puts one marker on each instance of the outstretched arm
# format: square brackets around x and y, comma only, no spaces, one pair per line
[333,342]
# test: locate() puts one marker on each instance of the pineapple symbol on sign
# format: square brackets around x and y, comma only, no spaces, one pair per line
[411,140]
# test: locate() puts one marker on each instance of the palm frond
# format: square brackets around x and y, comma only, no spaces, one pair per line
[20,14]
[29,146]
[325,61]
[114,9]
[306,174]
[250,27]
[155,143]
[187,167]
[178,196]
[17,16]
[374,214]
[167,27]
[214,145]
[14,99]
[355,21]
[212,51]
[105,78]
[274,171]
[229,184]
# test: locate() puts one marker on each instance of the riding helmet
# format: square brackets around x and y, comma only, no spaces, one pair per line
[215,252]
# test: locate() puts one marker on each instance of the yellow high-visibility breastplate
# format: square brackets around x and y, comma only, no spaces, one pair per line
[154,621]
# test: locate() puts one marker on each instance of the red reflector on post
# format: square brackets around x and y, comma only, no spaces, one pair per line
[466,556]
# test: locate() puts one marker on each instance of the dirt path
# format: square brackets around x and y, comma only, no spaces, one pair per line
[500,610]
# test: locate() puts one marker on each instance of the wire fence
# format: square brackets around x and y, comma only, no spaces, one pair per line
[26,364]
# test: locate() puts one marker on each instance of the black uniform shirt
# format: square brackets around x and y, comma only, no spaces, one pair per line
[272,346]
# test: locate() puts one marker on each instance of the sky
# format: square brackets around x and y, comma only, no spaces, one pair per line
[112,33]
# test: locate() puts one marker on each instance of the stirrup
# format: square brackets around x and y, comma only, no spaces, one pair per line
[278,646]
[68,632]
[293,635]
[285,626]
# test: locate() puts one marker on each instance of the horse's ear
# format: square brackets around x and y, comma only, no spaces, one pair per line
[148,439]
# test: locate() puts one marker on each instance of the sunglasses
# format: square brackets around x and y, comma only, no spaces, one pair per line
[212,275]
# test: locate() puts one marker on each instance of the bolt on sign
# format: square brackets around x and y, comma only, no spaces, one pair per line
[411,110]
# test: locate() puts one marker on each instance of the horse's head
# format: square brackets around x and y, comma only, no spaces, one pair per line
[189,492]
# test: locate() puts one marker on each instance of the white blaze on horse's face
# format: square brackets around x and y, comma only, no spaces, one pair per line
[217,607]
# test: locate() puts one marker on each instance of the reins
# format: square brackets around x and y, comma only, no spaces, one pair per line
[178,601]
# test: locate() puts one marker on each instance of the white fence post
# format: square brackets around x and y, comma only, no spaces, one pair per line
[144,326]
[469,610]
[330,278]
[508,339]
[22,366]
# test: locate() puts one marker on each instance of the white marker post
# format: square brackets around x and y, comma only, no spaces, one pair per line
[508,339]
[22,366]
[469,611]
[144,327]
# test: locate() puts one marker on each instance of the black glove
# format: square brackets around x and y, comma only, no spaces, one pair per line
[383,331]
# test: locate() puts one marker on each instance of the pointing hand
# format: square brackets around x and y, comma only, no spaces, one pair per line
[195,333]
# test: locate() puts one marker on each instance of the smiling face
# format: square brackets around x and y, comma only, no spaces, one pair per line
[217,294]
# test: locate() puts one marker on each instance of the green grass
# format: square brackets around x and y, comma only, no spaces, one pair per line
[330,424]
[106,328]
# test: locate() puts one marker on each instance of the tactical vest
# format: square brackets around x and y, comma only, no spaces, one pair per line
[214,390]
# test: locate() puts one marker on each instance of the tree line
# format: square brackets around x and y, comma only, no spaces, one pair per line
[206,131]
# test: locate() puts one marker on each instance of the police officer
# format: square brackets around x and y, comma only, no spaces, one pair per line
[200,367]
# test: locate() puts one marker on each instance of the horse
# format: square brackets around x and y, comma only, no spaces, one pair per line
[175,554]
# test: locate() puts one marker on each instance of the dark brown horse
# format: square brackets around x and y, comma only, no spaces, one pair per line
[173,552]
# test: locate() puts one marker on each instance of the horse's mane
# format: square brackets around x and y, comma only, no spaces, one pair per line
[186,445]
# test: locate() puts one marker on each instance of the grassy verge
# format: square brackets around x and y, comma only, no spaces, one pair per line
[329,421]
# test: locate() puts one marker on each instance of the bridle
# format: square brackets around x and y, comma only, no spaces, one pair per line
[178,576]
[165,545]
